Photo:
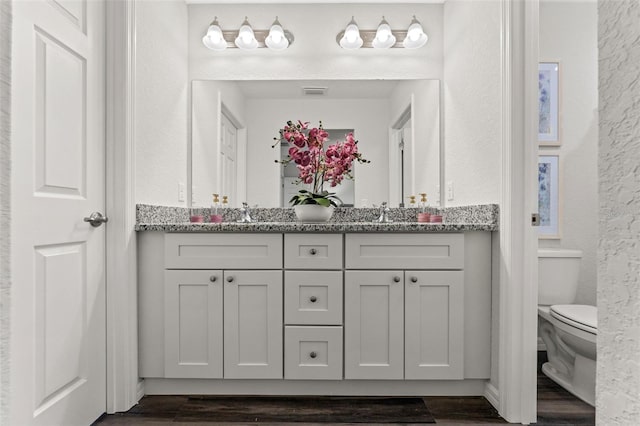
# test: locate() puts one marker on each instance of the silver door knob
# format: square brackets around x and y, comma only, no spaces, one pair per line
[213,278]
[96,219]
[229,279]
[313,251]
[396,279]
[414,279]
[313,299]
[313,354]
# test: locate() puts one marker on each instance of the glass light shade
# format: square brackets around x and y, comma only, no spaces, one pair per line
[214,38]
[246,40]
[351,38]
[384,37]
[415,36]
[276,40]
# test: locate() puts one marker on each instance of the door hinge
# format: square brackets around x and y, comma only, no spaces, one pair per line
[535,219]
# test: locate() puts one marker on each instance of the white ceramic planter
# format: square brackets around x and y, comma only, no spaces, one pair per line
[313,213]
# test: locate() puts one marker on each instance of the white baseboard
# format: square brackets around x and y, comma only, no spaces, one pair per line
[140,390]
[492,395]
[541,345]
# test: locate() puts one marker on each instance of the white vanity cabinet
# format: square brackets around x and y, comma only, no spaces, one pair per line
[340,313]
[404,323]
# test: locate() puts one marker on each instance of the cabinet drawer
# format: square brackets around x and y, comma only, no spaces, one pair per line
[313,353]
[223,251]
[313,251]
[404,251]
[313,297]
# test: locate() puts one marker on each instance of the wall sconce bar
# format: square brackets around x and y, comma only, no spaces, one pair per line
[353,38]
[246,38]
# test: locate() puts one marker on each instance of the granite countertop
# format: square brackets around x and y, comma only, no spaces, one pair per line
[315,227]
[455,219]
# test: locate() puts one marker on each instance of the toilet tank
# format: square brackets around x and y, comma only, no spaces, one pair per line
[558,271]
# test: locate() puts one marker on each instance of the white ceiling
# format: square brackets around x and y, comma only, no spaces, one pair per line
[336,89]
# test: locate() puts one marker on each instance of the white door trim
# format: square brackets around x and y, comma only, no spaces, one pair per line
[123,389]
[518,240]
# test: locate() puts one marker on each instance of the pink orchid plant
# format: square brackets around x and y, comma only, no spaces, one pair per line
[317,165]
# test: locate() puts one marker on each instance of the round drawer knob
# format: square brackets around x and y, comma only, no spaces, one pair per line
[313,299]
[229,279]
[414,279]
[396,279]
[313,251]
[313,354]
[213,278]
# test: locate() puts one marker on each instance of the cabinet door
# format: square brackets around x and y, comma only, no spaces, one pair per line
[253,325]
[193,324]
[434,324]
[374,324]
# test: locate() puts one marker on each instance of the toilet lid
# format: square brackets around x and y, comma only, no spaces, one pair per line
[584,317]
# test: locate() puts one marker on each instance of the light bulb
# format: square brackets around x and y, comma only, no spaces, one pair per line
[277,39]
[214,36]
[415,35]
[246,40]
[214,39]
[351,38]
[352,34]
[384,38]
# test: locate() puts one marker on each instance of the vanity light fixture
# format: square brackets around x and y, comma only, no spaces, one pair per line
[350,37]
[214,39]
[415,35]
[246,38]
[383,37]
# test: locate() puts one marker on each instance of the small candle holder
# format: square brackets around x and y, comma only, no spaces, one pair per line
[195,216]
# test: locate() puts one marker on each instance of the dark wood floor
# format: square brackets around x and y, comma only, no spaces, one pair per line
[555,407]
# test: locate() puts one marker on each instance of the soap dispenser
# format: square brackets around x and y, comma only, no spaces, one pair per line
[412,201]
[423,216]
[225,205]
[215,216]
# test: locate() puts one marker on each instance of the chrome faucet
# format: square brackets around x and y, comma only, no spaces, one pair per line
[384,213]
[246,217]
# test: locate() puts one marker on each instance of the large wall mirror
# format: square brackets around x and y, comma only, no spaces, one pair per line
[233,125]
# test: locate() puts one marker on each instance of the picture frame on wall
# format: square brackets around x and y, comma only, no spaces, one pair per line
[549,191]
[549,103]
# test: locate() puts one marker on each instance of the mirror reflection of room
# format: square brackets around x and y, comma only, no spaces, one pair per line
[250,113]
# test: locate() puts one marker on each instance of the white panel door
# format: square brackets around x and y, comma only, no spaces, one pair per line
[373,322]
[193,324]
[253,324]
[58,177]
[228,165]
[434,325]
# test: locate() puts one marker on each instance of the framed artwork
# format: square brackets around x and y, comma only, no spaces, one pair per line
[549,103]
[549,196]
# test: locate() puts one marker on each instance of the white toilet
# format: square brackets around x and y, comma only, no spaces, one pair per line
[568,331]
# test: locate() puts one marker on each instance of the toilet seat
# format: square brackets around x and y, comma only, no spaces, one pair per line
[582,317]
